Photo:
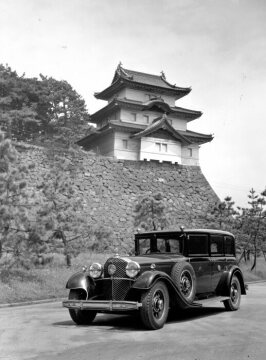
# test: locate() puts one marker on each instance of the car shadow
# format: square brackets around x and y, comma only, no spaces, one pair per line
[114,322]
[193,314]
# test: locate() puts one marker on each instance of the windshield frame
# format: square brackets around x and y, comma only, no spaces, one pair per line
[176,236]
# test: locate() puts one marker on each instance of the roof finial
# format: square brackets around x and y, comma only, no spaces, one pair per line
[119,65]
[163,75]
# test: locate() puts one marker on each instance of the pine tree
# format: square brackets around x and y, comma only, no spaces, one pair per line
[31,108]
[14,204]
[60,219]
[150,212]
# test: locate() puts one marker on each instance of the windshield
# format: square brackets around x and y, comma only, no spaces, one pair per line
[160,244]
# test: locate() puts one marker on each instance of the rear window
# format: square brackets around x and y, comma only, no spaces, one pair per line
[217,245]
[229,246]
[198,245]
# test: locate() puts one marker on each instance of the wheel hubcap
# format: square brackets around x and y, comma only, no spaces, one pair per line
[186,283]
[234,293]
[158,304]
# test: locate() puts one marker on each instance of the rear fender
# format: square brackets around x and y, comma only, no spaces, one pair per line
[223,287]
[80,281]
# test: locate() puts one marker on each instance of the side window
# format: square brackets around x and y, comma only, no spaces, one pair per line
[175,246]
[198,245]
[217,245]
[229,246]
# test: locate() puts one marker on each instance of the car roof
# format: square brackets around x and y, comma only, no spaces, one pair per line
[185,230]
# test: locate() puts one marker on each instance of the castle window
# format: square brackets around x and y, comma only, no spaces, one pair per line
[164,147]
[158,147]
[125,143]
[133,117]
[190,152]
[161,147]
[146,119]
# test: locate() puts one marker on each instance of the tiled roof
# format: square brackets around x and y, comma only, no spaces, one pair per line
[144,78]
[139,80]
[191,114]
[139,130]
[162,123]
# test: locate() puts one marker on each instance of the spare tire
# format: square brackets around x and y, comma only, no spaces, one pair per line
[184,277]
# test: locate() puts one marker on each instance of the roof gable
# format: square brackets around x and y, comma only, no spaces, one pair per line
[162,123]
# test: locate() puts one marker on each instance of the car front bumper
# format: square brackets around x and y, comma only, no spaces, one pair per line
[101,305]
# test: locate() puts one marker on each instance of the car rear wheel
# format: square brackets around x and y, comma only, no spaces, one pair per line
[233,303]
[155,306]
[184,277]
[80,317]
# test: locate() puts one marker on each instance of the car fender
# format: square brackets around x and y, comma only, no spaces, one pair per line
[146,280]
[80,280]
[223,287]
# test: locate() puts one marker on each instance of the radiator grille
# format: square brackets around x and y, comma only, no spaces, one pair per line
[117,286]
[120,265]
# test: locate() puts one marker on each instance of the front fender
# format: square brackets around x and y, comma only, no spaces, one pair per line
[146,280]
[79,281]
[223,287]
[149,278]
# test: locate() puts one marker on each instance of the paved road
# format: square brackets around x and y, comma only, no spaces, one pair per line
[46,332]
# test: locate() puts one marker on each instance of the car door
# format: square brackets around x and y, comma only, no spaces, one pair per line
[198,253]
[218,260]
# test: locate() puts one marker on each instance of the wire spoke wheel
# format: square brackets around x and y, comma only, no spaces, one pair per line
[186,283]
[184,277]
[158,304]
[155,306]
[233,303]
[234,293]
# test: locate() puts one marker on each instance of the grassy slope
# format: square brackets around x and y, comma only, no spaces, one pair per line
[49,282]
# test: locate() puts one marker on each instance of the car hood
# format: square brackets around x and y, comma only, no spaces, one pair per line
[155,258]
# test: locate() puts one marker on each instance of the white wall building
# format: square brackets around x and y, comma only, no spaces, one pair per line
[142,122]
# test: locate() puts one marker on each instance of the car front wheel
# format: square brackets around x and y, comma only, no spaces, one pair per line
[80,317]
[155,306]
[233,303]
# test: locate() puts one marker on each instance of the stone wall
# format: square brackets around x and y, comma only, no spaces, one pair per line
[110,188]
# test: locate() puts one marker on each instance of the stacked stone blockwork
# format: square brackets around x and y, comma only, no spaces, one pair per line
[110,189]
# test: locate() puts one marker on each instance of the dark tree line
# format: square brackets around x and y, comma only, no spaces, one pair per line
[32,108]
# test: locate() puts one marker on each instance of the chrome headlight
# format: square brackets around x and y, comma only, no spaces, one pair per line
[132,269]
[96,270]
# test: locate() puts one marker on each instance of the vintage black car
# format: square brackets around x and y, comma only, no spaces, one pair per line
[170,270]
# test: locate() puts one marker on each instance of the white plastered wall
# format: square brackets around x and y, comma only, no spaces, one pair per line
[187,159]
[149,150]
[132,150]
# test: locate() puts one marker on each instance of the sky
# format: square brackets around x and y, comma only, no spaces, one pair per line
[218,47]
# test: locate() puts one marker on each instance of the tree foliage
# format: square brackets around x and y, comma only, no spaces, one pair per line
[31,108]
[150,212]
[60,216]
[14,203]
[247,223]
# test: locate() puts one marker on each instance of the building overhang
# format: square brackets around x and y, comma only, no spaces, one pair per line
[138,131]
[152,105]
[140,81]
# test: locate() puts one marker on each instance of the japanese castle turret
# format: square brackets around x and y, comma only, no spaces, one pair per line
[142,122]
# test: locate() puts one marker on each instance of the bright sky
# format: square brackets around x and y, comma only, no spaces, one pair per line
[218,47]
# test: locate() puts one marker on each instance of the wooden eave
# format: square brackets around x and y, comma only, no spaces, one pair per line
[110,108]
[197,138]
[121,83]
[91,138]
